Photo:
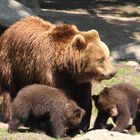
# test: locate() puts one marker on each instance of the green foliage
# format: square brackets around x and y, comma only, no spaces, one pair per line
[124,74]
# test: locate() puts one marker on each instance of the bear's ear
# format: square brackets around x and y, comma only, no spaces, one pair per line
[76,114]
[106,90]
[95,97]
[92,34]
[68,106]
[138,101]
[79,42]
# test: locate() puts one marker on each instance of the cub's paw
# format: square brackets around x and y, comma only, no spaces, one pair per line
[10,130]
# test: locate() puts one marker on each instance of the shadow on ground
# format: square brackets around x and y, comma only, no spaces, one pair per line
[84,4]
[114,32]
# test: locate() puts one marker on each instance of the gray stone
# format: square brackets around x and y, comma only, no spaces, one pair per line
[127,52]
[11,11]
[132,63]
[103,134]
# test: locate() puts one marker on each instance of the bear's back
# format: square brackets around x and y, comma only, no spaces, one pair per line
[126,94]
[42,94]
[127,89]
[40,99]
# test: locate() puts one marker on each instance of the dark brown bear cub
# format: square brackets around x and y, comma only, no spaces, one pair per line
[118,102]
[44,101]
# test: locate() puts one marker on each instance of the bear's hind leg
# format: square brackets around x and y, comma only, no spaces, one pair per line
[6,106]
[13,125]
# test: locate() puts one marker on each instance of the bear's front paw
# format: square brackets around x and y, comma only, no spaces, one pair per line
[10,130]
[116,129]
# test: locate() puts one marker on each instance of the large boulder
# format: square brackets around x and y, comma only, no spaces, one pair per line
[11,11]
[127,52]
[103,134]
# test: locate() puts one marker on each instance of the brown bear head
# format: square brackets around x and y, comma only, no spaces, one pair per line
[82,54]
[105,103]
[73,114]
[93,63]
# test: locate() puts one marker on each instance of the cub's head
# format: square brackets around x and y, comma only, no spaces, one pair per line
[74,114]
[93,55]
[105,103]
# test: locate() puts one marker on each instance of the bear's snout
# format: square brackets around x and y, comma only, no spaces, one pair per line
[110,75]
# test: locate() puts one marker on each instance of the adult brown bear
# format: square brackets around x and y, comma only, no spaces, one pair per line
[61,56]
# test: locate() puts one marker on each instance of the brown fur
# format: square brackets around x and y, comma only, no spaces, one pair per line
[48,104]
[60,56]
[138,103]
[137,119]
[120,103]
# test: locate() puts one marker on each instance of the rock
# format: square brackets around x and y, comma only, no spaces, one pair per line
[11,11]
[132,63]
[3,125]
[129,51]
[103,134]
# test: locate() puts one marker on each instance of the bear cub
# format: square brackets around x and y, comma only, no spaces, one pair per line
[36,102]
[120,103]
[137,119]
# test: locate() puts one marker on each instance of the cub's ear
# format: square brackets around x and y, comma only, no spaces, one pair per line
[79,42]
[95,97]
[76,114]
[106,90]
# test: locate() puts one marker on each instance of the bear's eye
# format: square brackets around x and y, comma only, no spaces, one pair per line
[101,60]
